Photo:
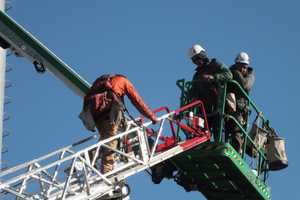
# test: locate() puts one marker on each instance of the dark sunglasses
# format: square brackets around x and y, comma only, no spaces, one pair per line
[201,56]
[245,66]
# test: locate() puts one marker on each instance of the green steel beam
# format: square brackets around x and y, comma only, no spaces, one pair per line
[25,44]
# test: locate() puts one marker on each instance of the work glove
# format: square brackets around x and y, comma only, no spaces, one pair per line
[154,120]
[208,77]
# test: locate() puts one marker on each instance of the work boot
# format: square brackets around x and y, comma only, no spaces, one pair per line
[157,173]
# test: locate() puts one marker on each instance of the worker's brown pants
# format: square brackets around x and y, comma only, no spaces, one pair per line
[234,133]
[107,129]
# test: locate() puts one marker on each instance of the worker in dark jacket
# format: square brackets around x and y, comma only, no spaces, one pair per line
[109,122]
[205,84]
[243,74]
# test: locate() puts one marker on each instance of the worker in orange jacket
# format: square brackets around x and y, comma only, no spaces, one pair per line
[109,122]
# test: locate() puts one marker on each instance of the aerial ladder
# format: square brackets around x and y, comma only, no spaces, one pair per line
[182,138]
[83,180]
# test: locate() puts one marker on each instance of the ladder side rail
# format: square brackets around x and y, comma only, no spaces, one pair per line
[21,181]
[115,150]
[17,194]
[146,165]
[63,186]
[30,172]
[132,130]
[40,180]
[38,170]
[43,168]
[37,175]
[26,164]
[154,159]
[42,158]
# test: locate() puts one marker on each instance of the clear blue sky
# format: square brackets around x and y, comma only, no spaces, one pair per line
[148,42]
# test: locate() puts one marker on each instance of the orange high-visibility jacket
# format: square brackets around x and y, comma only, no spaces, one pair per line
[121,86]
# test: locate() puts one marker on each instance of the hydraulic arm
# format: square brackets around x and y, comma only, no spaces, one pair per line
[15,37]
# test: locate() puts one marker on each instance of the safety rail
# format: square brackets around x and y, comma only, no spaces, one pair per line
[247,139]
[251,102]
[69,173]
[261,155]
[185,87]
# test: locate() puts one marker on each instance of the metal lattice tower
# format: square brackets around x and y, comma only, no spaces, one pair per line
[2,87]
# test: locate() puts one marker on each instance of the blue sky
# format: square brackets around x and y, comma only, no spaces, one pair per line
[148,42]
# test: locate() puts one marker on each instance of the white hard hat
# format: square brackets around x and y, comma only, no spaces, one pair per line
[242,57]
[196,49]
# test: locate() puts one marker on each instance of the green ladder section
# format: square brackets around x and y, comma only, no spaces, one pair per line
[25,44]
[221,173]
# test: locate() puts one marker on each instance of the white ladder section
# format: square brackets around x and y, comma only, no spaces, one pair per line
[69,174]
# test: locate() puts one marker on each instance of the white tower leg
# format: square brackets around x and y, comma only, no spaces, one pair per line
[2,87]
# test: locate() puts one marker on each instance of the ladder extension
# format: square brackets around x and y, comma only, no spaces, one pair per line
[69,174]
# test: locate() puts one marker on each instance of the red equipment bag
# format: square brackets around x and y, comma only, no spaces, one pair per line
[100,104]
[101,97]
